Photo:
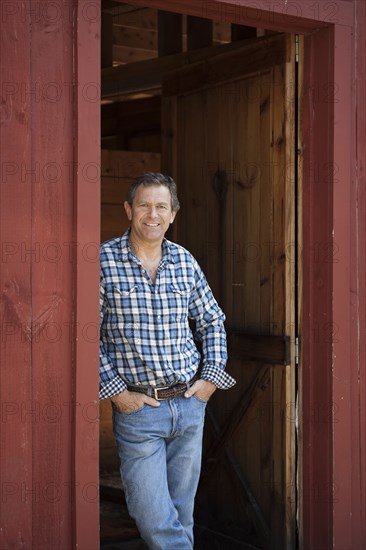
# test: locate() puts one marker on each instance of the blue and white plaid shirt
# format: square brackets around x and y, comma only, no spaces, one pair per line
[145,332]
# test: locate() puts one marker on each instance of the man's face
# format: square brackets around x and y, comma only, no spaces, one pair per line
[150,214]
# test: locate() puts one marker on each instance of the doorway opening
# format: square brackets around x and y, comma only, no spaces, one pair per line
[213,104]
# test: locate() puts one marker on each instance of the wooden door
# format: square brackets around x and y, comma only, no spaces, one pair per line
[228,139]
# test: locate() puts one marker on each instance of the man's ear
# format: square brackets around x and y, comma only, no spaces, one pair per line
[172,216]
[128,210]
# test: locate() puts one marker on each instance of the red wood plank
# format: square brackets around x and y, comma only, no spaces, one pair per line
[316,322]
[343,362]
[87,223]
[349,527]
[15,276]
[52,213]
[360,487]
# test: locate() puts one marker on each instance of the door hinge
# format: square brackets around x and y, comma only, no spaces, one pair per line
[296,350]
[296,48]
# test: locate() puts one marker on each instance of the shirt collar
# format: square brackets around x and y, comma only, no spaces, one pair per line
[127,254]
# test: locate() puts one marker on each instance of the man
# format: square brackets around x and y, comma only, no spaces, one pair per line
[149,365]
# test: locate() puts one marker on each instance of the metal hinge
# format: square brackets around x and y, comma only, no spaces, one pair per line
[296,350]
[296,48]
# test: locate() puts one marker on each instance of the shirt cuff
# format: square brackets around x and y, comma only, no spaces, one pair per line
[113,387]
[217,376]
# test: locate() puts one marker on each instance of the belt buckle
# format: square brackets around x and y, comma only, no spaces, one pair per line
[155,390]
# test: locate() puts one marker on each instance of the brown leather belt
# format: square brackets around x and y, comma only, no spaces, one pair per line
[167,392]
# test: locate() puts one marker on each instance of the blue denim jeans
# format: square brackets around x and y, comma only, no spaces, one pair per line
[160,452]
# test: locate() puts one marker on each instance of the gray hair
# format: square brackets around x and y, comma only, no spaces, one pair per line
[154,178]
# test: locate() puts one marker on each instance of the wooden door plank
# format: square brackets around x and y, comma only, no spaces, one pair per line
[252,182]
[274,350]
[265,256]
[237,416]
[254,510]
[291,248]
[218,178]
[190,184]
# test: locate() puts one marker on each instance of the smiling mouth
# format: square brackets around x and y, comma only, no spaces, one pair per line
[152,224]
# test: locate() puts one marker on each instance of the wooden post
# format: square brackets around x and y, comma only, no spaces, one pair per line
[107,40]
[199,32]
[169,33]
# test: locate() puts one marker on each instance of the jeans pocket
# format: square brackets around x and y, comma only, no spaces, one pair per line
[194,396]
[131,412]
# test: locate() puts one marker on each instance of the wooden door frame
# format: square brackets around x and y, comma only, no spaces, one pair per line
[332,355]
[86,276]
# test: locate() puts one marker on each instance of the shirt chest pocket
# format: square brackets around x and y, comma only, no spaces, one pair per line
[125,308]
[178,296]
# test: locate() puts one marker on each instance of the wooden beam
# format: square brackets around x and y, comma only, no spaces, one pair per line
[147,75]
[252,56]
[126,54]
[199,32]
[169,33]
[146,38]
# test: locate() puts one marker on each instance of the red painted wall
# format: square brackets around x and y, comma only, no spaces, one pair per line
[48,252]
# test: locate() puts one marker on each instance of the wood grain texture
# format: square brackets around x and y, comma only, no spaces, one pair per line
[16,428]
[86,187]
[52,284]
